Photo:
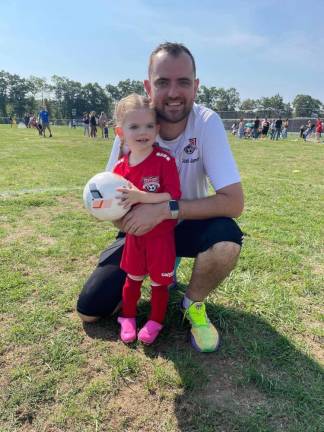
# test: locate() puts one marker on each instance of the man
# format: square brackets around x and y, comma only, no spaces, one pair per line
[103,119]
[44,121]
[195,136]
[278,128]
[256,127]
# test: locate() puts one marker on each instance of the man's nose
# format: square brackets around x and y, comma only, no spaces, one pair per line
[173,90]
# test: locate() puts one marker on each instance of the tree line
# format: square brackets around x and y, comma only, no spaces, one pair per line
[19,95]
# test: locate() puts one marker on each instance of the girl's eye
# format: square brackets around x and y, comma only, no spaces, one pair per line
[150,126]
[133,127]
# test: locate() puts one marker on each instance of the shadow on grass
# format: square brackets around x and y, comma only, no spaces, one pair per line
[257,381]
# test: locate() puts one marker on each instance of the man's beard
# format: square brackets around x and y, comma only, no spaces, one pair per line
[162,115]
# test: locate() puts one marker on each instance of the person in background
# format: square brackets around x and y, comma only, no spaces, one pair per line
[26,120]
[256,126]
[234,128]
[265,128]
[319,129]
[106,131]
[301,131]
[240,131]
[43,118]
[272,129]
[93,124]
[309,130]
[278,128]
[86,121]
[284,133]
[103,119]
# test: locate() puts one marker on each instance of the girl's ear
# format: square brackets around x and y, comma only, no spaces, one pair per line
[157,128]
[119,131]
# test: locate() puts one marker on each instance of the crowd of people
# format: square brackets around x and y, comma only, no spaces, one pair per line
[275,129]
[91,122]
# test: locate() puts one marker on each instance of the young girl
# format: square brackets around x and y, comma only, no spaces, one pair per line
[153,177]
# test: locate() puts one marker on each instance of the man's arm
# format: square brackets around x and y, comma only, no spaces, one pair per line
[227,202]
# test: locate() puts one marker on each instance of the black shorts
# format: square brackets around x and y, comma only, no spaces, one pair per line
[102,292]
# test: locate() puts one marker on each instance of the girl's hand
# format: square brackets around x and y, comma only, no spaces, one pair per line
[129,196]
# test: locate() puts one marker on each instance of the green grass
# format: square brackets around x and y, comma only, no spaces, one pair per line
[60,375]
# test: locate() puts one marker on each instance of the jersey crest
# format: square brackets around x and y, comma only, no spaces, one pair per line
[191,146]
[151,184]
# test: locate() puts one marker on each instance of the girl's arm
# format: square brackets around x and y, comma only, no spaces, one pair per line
[131,195]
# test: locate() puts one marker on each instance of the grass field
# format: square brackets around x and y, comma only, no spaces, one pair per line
[58,375]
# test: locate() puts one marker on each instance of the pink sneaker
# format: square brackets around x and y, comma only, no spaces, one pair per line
[149,332]
[128,329]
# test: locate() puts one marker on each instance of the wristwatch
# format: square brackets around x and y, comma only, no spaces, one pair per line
[174,209]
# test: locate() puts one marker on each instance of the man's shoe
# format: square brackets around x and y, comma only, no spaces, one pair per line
[204,335]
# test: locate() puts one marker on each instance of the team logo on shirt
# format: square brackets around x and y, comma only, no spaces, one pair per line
[191,146]
[151,184]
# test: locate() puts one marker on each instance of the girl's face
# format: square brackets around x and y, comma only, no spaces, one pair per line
[139,129]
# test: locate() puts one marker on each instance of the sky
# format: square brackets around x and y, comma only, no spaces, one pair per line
[259,47]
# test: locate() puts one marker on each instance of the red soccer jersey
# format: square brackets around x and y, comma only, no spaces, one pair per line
[157,173]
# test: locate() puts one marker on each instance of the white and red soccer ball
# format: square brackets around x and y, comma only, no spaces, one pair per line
[99,196]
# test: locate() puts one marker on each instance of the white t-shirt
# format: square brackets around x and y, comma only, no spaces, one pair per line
[202,151]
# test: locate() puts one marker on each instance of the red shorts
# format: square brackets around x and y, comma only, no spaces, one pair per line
[154,256]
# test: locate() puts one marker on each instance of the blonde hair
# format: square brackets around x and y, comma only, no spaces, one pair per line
[131,102]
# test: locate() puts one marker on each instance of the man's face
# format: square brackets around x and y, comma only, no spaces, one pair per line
[172,86]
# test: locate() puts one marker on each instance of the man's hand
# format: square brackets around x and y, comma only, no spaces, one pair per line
[143,218]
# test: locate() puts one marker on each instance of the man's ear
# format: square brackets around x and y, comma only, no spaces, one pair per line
[196,85]
[147,87]
[118,131]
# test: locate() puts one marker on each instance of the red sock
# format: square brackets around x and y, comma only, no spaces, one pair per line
[159,302]
[131,295]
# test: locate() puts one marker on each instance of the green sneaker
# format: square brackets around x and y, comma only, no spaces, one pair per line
[204,335]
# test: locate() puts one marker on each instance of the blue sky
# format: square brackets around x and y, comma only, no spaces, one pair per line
[259,47]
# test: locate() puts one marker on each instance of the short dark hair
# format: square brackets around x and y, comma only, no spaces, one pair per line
[174,49]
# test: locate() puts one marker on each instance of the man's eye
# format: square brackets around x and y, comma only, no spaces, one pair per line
[162,83]
[185,83]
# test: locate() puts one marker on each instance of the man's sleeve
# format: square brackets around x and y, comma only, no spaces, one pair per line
[218,159]
[113,158]
[171,182]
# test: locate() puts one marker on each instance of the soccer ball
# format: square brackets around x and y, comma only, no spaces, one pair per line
[99,196]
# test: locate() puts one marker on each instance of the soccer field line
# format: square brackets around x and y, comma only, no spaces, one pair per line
[14,193]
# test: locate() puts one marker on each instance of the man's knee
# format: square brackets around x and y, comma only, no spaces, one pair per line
[87,318]
[224,252]
[228,248]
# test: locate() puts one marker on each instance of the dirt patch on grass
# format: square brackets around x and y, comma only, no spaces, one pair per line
[70,202]
[137,410]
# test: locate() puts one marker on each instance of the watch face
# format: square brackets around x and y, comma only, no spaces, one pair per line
[174,206]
